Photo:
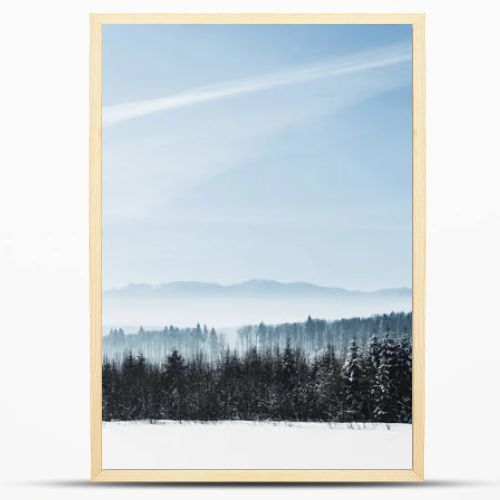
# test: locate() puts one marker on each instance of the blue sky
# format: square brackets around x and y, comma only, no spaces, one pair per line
[234,152]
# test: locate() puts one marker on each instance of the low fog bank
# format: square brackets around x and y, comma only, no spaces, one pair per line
[230,313]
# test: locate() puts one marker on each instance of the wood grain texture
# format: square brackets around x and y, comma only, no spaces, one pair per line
[419,248]
[255,18]
[95,250]
[258,475]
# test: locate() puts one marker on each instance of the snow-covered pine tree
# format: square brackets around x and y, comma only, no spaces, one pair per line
[289,365]
[352,374]
[108,405]
[404,381]
[173,382]
[384,391]
[328,402]
[371,362]
[288,382]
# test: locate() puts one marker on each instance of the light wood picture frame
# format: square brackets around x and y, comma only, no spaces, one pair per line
[416,473]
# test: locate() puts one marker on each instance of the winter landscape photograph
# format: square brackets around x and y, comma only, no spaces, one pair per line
[257,246]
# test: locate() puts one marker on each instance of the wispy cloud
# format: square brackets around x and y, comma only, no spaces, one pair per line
[355,63]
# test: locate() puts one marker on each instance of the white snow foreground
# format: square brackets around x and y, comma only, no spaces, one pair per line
[169,444]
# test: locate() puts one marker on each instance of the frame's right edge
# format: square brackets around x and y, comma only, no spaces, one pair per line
[419,246]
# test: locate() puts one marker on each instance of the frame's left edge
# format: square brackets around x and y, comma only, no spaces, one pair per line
[95,245]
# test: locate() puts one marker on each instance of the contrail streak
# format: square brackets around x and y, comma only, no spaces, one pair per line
[356,63]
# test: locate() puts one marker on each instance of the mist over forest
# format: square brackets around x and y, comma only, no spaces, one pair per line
[228,307]
[312,336]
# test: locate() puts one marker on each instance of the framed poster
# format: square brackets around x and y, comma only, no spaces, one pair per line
[257,247]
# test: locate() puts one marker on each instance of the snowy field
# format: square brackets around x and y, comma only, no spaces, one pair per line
[255,445]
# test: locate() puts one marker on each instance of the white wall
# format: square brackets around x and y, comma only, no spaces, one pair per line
[43,248]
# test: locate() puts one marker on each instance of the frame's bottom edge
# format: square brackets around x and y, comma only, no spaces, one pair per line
[257,476]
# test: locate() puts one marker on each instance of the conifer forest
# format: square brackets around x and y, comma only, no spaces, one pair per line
[349,370]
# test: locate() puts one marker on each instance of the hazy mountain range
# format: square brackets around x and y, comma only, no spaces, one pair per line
[185,303]
[248,288]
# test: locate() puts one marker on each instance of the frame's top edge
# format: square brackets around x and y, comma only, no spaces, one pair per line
[260,17]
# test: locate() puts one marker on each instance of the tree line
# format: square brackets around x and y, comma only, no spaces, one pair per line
[370,382]
[311,336]
[314,334]
[156,345]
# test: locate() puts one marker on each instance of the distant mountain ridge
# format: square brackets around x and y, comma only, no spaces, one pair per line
[253,287]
